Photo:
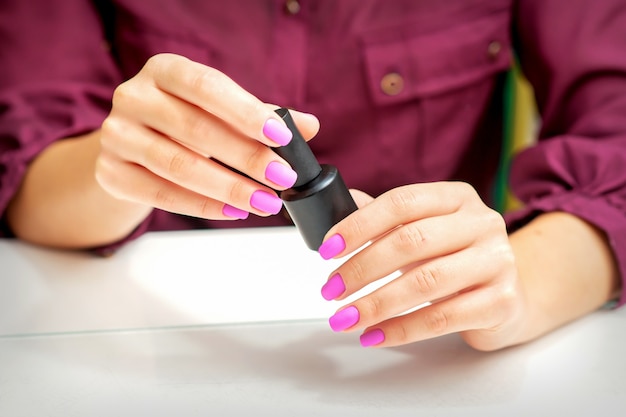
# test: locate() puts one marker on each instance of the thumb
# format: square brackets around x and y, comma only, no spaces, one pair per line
[361,198]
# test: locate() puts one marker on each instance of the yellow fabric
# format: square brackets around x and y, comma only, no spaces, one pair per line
[524,123]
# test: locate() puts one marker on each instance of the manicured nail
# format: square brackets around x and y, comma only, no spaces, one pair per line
[333,246]
[234,212]
[277,132]
[333,288]
[280,174]
[344,319]
[266,202]
[372,338]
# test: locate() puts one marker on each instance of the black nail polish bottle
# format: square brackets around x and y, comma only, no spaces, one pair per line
[319,199]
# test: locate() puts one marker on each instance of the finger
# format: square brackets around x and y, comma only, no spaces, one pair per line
[132,182]
[431,281]
[209,136]
[179,165]
[216,93]
[468,311]
[409,244]
[360,198]
[307,123]
[398,206]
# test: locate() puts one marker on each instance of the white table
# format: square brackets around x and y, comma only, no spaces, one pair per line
[214,323]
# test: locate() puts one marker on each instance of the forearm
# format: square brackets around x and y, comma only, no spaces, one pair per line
[61,204]
[566,268]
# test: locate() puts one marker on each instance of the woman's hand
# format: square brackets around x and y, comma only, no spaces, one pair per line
[185,138]
[181,137]
[453,253]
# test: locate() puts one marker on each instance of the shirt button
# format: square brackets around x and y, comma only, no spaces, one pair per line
[493,50]
[292,7]
[392,84]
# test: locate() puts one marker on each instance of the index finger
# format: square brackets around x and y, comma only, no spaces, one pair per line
[216,93]
[399,206]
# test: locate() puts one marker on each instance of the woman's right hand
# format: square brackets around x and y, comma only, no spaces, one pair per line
[181,136]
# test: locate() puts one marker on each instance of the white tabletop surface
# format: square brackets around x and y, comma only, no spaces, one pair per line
[231,322]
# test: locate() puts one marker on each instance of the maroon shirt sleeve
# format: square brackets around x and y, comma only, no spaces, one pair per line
[574,54]
[57,79]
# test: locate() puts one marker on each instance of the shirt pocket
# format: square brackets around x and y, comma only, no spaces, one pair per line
[403,64]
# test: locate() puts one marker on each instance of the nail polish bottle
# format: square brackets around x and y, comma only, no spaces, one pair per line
[319,199]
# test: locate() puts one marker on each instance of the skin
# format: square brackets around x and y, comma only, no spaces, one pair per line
[156,149]
[453,251]
[152,151]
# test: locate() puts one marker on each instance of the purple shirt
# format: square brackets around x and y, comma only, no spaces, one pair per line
[406,91]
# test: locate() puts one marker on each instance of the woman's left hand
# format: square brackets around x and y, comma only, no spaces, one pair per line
[454,257]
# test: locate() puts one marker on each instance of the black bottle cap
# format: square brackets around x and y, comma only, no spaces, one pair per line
[297,152]
[316,208]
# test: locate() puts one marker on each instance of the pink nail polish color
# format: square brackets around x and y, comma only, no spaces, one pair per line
[333,288]
[234,212]
[277,132]
[344,319]
[372,338]
[332,247]
[280,174]
[266,202]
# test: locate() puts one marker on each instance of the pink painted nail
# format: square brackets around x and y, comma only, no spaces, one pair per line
[280,174]
[277,132]
[333,288]
[344,319]
[266,202]
[234,212]
[372,338]
[333,246]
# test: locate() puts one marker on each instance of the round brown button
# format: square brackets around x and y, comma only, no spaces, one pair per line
[494,49]
[292,7]
[392,84]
